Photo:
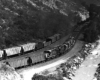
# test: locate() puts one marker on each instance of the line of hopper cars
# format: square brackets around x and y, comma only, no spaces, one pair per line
[44,56]
[26,48]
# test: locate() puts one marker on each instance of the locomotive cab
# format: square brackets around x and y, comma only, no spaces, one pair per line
[66,46]
[47,54]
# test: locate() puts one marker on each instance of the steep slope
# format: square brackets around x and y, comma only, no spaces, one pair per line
[8,73]
[25,20]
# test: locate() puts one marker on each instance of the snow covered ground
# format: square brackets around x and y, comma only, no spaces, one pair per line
[89,66]
[28,73]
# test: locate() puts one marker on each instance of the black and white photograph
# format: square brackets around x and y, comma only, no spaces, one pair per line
[49,39]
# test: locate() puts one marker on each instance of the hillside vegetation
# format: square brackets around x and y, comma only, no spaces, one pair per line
[23,21]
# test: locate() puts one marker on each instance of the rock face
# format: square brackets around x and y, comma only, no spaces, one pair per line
[25,20]
[8,73]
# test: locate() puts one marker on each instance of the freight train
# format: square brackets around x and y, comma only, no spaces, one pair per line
[26,48]
[35,58]
[61,49]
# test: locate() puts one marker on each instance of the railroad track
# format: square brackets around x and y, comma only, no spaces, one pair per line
[61,41]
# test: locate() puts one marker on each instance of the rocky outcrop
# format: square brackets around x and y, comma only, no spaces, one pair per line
[8,73]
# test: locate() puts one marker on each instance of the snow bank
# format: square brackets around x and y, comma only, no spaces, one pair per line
[8,73]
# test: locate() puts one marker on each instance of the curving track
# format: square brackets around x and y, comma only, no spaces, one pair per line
[37,52]
[29,72]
